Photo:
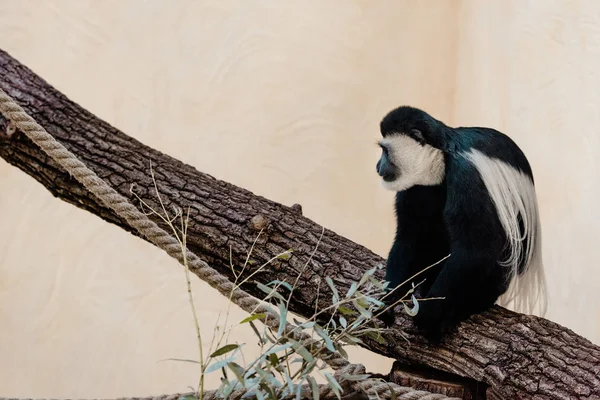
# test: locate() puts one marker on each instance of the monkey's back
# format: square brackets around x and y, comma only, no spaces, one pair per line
[498,146]
[493,144]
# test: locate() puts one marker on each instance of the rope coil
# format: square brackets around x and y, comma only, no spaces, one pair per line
[19,119]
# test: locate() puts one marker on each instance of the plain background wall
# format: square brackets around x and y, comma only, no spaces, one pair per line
[284,99]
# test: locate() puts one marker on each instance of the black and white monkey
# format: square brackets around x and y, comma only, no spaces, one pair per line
[468,192]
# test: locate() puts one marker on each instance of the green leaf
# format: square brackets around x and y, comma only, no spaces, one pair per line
[285,255]
[343,322]
[289,380]
[304,325]
[270,291]
[302,350]
[308,368]
[314,386]
[252,318]
[358,321]
[282,318]
[412,312]
[367,275]
[374,301]
[342,351]
[224,350]
[346,310]
[261,339]
[350,339]
[272,394]
[377,337]
[270,337]
[362,301]
[262,373]
[326,338]
[281,283]
[277,349]
[356,377]
[226,387]
[352,289]
[273,359]
[335,386]
[362,310]
[237,370]
[181,359]
[336,295]
[217,365]
[377,283]
[266,376]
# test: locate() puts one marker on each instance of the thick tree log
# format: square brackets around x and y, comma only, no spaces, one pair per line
[519,356]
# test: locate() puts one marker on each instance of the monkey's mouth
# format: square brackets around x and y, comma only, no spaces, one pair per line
[386,171]
[389,177]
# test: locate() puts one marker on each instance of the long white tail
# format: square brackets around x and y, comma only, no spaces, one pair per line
[513,194]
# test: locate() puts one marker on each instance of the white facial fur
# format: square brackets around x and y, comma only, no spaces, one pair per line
[417,164]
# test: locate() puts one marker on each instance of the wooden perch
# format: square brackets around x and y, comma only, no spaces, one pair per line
[518,356]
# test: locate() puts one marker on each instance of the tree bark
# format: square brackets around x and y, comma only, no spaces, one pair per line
[519,356]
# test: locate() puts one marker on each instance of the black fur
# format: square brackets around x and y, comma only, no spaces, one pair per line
[456,217]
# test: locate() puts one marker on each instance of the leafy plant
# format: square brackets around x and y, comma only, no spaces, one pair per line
[285,366]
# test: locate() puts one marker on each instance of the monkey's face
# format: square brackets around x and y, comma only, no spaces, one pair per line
[407,160]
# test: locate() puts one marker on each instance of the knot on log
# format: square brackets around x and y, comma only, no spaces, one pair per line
[11,128]
[259,222]
[297,208]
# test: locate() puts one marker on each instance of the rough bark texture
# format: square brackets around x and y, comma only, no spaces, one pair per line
[437,382]
[519,356]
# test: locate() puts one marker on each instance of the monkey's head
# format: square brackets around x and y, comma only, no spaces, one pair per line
[410,149]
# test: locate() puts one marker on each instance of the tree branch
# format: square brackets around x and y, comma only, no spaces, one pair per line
[519,356]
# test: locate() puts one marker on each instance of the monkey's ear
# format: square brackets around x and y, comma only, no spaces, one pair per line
[417,135]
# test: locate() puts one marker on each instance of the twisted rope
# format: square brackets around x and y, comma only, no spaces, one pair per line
[372,387]
[19,119]
[145,226]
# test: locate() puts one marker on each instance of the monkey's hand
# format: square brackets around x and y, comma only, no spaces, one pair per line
[388,317]
[435,320]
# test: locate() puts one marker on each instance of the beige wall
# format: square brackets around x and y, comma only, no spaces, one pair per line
[283,98]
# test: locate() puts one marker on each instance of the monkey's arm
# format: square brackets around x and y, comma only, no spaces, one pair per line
[470,280]
[399,268]
[419,242]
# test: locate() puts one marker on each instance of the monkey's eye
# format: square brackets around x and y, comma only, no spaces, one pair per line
[417,135]
[384,149]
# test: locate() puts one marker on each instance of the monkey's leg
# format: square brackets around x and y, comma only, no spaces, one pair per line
[469,283]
